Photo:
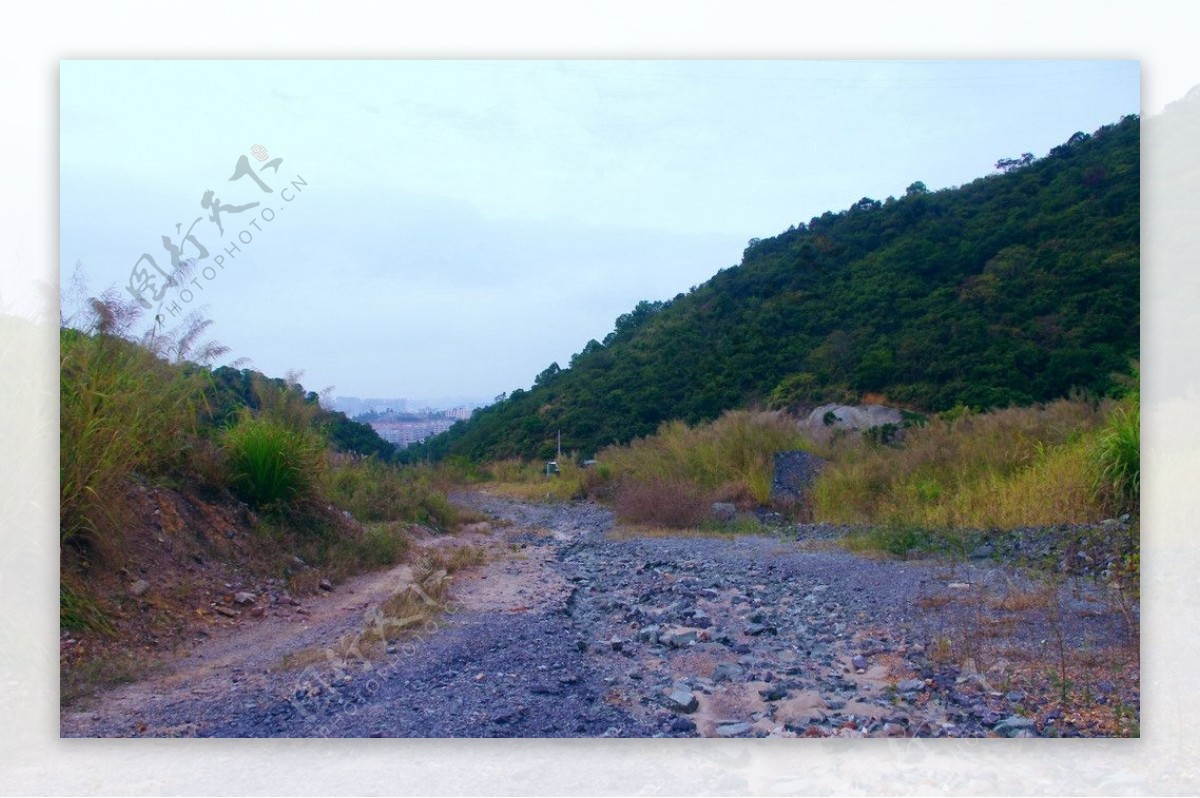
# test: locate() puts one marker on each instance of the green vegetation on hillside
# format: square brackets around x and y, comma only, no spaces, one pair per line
[132,420]
[1016,288]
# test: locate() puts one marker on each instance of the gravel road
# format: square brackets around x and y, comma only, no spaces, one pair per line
[571,631]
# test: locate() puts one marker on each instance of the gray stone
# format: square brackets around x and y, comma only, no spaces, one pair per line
[1012,725]
[244,597]
[648,634]
[683,701]
[683,725]
[733,729]
[983,552]
[910,686]
[325,584]
[776,692]
[139,588]
[724,511]
[727,672]
[795,472]
[681,638]
[1015,696]
[859,662]
[616,643]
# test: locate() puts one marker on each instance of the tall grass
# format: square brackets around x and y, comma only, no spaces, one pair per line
[122,411]
[374,491]
[1117,454]
[1007,468]
[676,472]
[272,462]
[733,455]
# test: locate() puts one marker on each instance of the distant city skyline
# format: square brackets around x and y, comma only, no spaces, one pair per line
[352,405]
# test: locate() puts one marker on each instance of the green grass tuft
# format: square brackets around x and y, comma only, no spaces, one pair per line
[271,462]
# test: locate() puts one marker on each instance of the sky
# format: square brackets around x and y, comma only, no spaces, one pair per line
[447,229]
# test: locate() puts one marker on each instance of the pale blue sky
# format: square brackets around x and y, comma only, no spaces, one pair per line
[466,223]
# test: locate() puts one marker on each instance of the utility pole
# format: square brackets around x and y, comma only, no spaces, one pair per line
[559,445]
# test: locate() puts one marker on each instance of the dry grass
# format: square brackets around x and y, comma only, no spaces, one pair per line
[659,502]
[1008,468]
[634,531]
[1088,683]
[423,597]
[731,457]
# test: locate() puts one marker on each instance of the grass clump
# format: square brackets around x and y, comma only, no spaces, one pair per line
[272,462]
[1117,455]
[676,504]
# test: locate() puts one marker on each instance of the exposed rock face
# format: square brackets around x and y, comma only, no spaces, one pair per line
[827,419]
[794,474]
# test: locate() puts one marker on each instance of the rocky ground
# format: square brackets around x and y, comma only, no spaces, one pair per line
[576,629]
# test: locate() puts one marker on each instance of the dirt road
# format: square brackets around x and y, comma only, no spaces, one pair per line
[571,631]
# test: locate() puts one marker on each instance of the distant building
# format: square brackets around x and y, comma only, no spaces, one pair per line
[406,433]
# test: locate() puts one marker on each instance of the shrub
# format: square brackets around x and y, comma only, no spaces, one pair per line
[271,462]
[661,502]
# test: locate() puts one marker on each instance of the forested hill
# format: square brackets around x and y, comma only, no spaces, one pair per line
[1015,288]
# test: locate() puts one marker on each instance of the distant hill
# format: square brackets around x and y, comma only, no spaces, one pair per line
[1015,288]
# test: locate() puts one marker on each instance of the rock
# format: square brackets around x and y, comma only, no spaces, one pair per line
[244,598]
[325,584]
[776,692]
[648,634]
[258,612]
[756,629]
[226,611]
[795,472]
[910,686]
[733,729]
[724,511]
[1013,724]
[826,419]
[139,588]
[1015,696]
[616,643]
[681,637]
[683,701]
[683,725]
[858,662]
[727,672]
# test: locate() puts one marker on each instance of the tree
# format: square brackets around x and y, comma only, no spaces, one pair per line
[548,374]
